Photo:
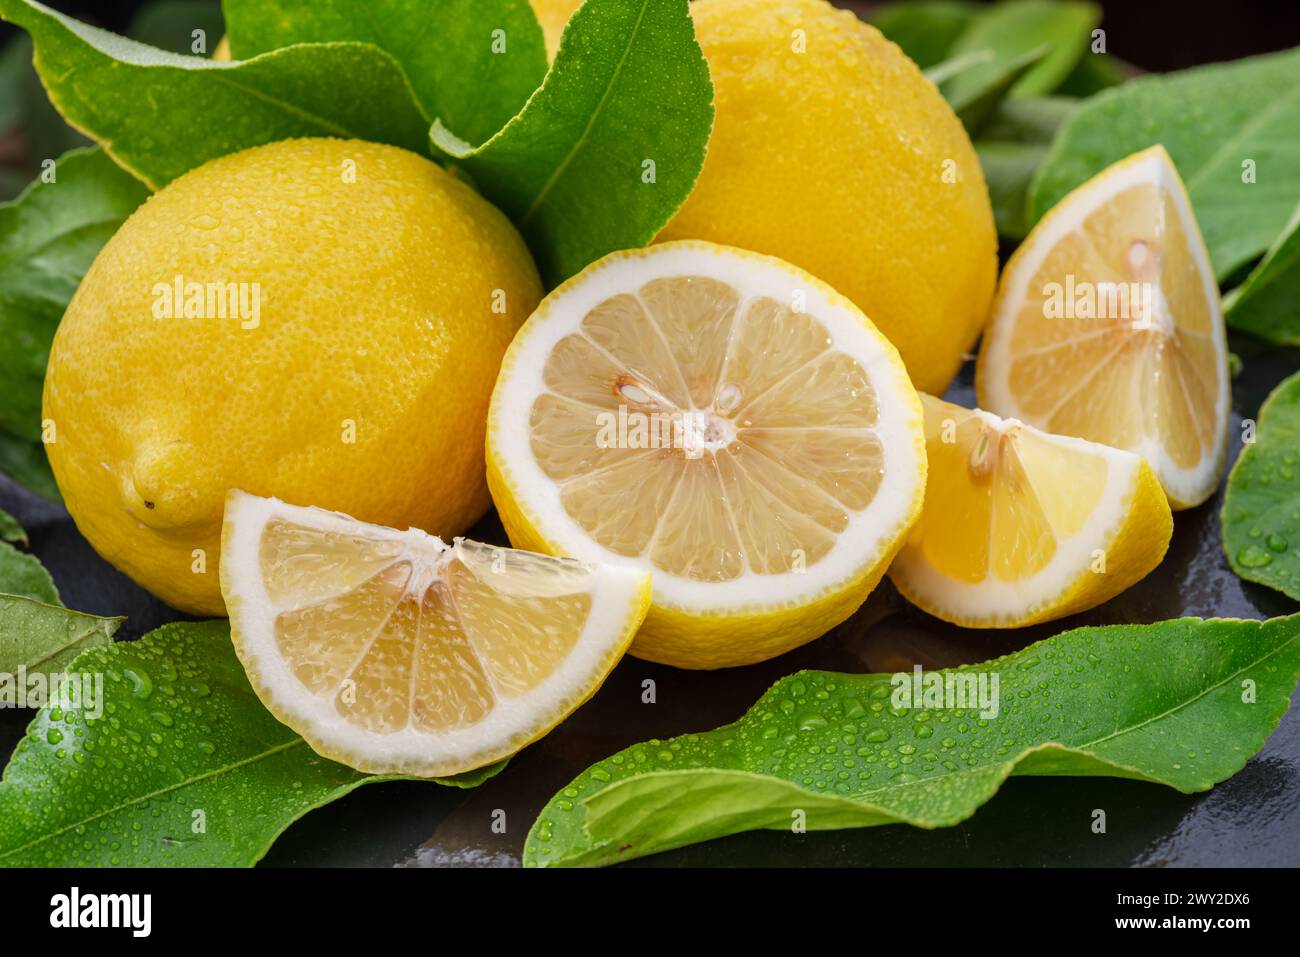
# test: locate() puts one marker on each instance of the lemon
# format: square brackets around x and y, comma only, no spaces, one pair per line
[1107,326]
[830,150]
[1021,527]
[394,652]
[722,419]
[368,298]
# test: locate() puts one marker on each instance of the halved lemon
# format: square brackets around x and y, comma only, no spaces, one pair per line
[393,652]
[1021,527]
[723,419]
[1107,326]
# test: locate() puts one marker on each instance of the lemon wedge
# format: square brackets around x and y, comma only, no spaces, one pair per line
[722,419]
[394,652]
[1021,527]
[1107,326]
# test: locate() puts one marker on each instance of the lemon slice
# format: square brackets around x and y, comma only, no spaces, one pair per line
[394,652]
[1107,326]
[723,419]
[1021,527]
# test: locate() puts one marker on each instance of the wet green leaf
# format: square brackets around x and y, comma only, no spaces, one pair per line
[45,638]
[1231,130]
[607,149]
[161,114]
[1261,505]
[1267,304]
[1182,703]
[175,764]
[472,63]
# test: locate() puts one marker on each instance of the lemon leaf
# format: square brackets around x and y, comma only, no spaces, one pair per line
[608,148]
[1011,146]
[160,114]
[925,31]
[48,238]
[44,638]
[1010,33]
[183,767]
[1231,131]
[1261,505]
[1267,304]
[471,63]
[24,575]
[1182,703]
[10,530]
[1008,169]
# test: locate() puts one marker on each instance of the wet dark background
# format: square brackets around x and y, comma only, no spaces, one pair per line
[1253,819]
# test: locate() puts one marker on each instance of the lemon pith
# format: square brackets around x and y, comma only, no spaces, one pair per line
[775,509]
[386,294]
[1107,326]
[1021,527]
[833,152]
[393,652]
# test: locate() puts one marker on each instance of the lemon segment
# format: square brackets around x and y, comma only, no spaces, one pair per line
[394,652]
[1021,527]
[1107,326]
[723,419]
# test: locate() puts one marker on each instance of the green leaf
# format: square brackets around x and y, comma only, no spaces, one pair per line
[49,236]
[1212,120]
[160,114]
[1161,703]
[925,31]
[25,462]
[1029,119]
[170,25]
[1093,73]
[451,50]
[1008,170]
[184,767]
[974,103]
[45,638]
[1010,31]
[1012,144]
[24,575]
[1267,304]
[10,530]
[46,134]
[1261,505]
[629,87]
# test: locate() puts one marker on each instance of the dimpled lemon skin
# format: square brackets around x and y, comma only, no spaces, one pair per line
[840,159]
[388,294]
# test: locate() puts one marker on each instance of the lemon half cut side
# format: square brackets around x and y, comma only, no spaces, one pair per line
[722,419]
[394,652]
[1021,527]
[1107,326]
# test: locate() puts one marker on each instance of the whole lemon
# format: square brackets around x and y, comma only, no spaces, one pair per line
[320,320]
[830,150]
